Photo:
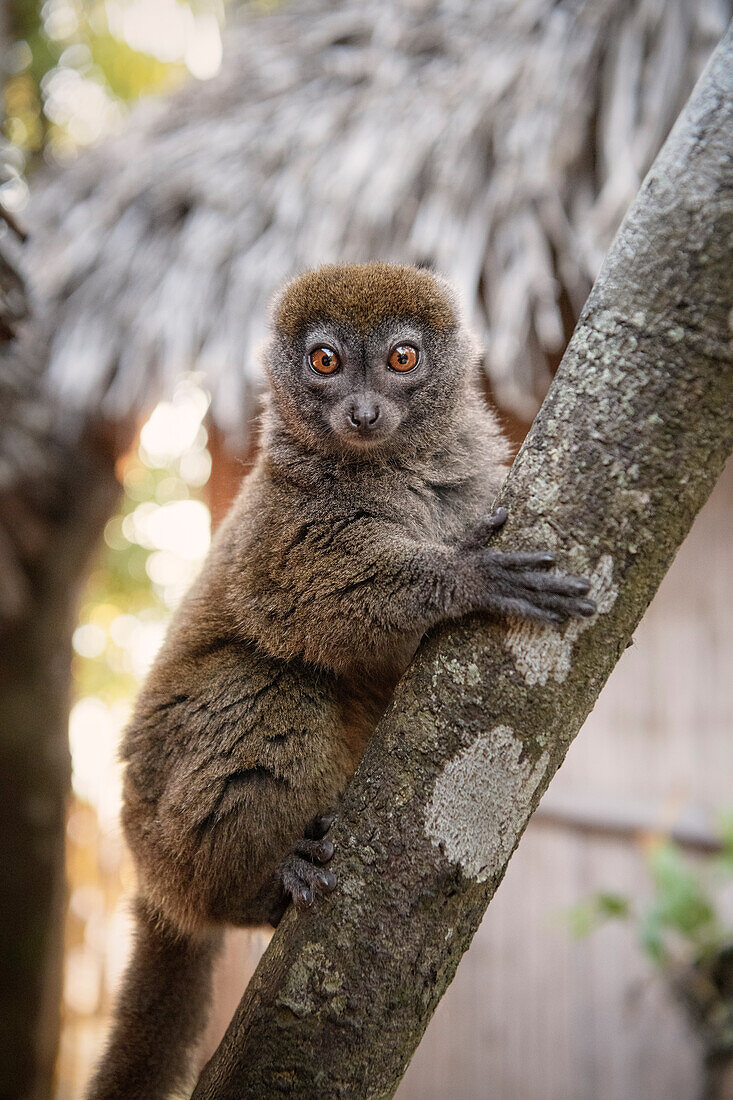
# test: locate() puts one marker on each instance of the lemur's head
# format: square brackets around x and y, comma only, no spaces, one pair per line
[368,358]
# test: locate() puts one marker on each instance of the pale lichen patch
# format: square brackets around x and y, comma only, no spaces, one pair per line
[404,793]
[312,980]
[480,802]
[466,675]
[543,651]
[463,675]
[604,320]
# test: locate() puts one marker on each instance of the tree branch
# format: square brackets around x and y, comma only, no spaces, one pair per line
[622,455]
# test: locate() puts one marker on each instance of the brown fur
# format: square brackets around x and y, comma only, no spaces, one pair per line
[362,295]
[340,551]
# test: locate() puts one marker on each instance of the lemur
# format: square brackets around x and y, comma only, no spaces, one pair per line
[366,520]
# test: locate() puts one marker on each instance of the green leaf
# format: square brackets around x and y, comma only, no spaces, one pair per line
[652,939]
[681,900]
[725,827]
[588,915]
[613,905]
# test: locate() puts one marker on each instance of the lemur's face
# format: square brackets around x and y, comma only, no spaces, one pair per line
[365,358]
[364,389]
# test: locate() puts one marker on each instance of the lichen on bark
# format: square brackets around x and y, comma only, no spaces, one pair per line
[622,455]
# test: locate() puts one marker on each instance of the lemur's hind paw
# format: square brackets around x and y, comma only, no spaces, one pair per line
[302,881]
[302,875]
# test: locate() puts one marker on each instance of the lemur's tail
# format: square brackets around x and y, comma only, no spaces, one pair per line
[160,1011]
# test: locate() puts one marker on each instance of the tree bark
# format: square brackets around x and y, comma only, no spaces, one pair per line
[621,457]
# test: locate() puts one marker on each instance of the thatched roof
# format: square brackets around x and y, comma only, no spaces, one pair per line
[499,141]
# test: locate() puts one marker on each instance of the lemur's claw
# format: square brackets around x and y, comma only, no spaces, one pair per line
[496,519]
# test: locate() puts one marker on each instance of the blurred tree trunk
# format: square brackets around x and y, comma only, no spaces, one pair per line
[624,452]
[705,989]
[54,499]
[35,669]
[56,493]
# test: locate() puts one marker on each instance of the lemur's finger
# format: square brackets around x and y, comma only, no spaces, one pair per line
[526,610]
[551,582]
[486,528]
[317,851]
[523,559]
[563,605]
[492,522]
[319,826]
[303,896]
[302,880]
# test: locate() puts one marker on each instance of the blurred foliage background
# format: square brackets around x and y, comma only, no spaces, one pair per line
[685,930]
[75,66]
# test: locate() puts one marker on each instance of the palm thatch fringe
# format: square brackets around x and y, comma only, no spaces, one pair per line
[498,141]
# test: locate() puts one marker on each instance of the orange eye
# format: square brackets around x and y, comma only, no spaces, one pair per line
[324,360]
[403,358]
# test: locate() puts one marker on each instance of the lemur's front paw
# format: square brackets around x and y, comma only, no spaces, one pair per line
[302,875]
[518,584]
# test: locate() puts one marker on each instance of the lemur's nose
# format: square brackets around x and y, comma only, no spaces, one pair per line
[364,414]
